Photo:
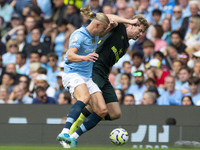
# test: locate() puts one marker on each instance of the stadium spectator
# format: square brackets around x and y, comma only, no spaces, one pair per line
[194,8]
[130,12]
[120,95]
[24,83]
[18,96]
[187,101]
[182,84]
[29,23]
[149,98]
[4,95]
[6,11]
[194,85]
[184,58]
[171,55]
[176,66]
[126,68]
[185,8]
[171,96]
[192,37]
[36,45]
[59,11]
[139,86]
[125,84]
[73,16]
[95,6]
[41,81]
[2,69]
[148,51]
[59,88]
[196,69]
[177,41]
[64,98]
[11,68]
[137,59]
[128,100]
[21,38]
[8,81]
[166,26]
[42,98]
[159,74]
[150,84]
[34,57]
[177,18]
[52,69]
[107,9]
[157,32]
[21,66]
[45,6]
[10,55]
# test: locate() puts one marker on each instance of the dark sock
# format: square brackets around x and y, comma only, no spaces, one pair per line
[74,113]
[89,123]
[85,112]
[107,117]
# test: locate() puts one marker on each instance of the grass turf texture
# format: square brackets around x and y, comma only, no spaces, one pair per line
[78,148]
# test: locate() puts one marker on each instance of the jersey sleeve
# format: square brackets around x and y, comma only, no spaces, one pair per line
[75,40]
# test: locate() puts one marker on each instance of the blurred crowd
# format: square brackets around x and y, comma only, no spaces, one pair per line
[160,68]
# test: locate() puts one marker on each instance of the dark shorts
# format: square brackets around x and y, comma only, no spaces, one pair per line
[106,88]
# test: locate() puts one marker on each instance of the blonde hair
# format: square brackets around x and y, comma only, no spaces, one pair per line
[91,15]
[197,23]
[142,21]
[10,42]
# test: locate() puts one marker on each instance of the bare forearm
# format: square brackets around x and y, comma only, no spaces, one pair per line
[118,19]
[72,57]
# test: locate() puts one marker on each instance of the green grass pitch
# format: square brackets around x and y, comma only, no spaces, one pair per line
[78,148]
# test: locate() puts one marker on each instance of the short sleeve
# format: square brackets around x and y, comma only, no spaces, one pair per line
[75,40]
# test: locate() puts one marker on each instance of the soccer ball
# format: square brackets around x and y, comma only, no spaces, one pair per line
[119,136]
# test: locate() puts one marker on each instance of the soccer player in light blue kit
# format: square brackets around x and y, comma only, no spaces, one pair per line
[78,72]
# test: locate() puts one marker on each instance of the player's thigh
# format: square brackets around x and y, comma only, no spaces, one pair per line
[77,86]
[81,93]
[114,110]
[98,104]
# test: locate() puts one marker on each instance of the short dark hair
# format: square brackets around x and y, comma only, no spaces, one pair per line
[128,75]
[159,53]
[170,121]
[52,55]
[23,55]
[156,12]
[186,68]
[178,33]
[159,31]
[126,62]
[137,54]
[193,80]
[34,52]
[39,89]
[148,43]
[37,28]
[42,70]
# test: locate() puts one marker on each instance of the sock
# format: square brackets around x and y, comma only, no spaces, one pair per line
[107,117]
[73,114]
[77,123]
[85,112]
[90,122]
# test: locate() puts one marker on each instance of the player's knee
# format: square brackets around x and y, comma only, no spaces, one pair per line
[102,112]
[85,99]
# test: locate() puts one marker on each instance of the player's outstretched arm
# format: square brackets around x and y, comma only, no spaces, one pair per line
[73,57]
[123,20]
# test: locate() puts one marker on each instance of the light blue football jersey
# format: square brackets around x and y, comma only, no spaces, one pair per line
[83,41]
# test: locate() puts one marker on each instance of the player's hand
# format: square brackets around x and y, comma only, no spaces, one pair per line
[91,57]
[113,23]
[134,22]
